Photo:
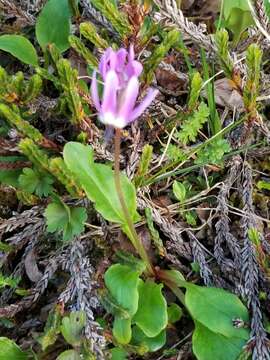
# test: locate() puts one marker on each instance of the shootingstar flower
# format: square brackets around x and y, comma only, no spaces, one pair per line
[119,71]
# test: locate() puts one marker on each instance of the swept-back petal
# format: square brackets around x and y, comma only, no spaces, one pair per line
[152,93]
[128,99]
[110,93]
[94,91]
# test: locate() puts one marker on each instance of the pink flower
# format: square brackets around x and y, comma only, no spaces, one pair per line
[119,71]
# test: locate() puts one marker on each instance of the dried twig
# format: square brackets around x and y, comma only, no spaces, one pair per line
[82,287]
[171,13]
[223,233]
[91,12]
[250,271]
[199,257]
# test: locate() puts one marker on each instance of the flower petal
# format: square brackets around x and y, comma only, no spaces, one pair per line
[152,93]
[112,61]
[94,91]
[110,93]
[134,68]
[121,56]
[103,64]
[128,99]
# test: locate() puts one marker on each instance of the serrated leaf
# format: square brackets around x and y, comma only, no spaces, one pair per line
[122,282]
[191,126]
[122,330]
[20,47]
[97,181]
[72,327]
[151,316]
[152,344]
[53,24]
[10,350]
[10,176]
[70,221]
[213,152]
[208,345]
[216,309]
[35,182]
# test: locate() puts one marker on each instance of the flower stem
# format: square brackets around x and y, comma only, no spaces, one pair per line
[132,232]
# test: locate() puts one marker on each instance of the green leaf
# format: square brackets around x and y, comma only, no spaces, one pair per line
[172,276]
[112,306]
[72,327]
[53,25]
[263,185]
[9,350]
[52,328]
[122,330]
[36,182]
[179,191]
[213,152]
[122,282]
[69,355]
[174,313]
[128,259]
[119,354]
[8,281]
[216,309]
[237,16]
[193,123]
[151,316]
[20,47]
[97,181]
[152,344]
[8,175]
[267,8]
[208,345]
[70,221]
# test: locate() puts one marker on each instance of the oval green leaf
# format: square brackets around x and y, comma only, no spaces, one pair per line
[174,313]
[10,350]
[53,25]
[151,316]
[208,345]
[69,355]
[119,354]
[97,181]
[20,47]
[122,282]
[152,344]
[122,330]
[216,309]
[72,327]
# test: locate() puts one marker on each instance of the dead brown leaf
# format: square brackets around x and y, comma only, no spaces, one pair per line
[31,267]
[226,95]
